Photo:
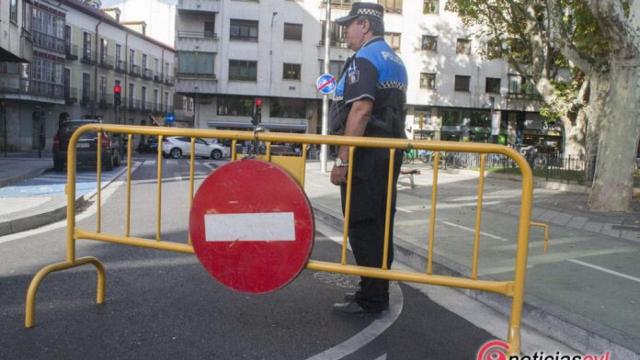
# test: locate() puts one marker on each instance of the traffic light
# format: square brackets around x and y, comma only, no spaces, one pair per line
[117,90]
[257,113]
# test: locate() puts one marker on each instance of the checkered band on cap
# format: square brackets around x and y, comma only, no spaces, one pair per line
[370,12]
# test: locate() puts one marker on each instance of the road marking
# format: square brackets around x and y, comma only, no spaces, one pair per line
[473,231]
[382,357]
[369,333]
[612,272]
[274,226]
[403,210]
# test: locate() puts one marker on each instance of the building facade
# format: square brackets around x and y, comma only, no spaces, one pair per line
[230,52]
[79,55]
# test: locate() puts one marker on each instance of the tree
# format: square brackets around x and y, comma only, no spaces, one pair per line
[598,40]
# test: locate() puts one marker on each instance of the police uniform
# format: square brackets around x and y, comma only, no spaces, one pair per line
[376,73]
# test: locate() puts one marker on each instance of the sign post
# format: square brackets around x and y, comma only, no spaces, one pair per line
[252,226]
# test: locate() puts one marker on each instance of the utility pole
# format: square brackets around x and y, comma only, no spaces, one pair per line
[325,97]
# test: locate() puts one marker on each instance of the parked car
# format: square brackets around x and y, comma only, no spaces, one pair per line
[178,146]
[86,147]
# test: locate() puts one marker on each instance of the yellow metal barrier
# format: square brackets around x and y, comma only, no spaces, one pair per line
[513,288]
[545,227]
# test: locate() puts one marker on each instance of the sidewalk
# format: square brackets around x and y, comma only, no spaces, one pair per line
[24,212]
[584,292]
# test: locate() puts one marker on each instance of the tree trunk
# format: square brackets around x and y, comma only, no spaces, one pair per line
[573,136]
[612,187]
[598,90]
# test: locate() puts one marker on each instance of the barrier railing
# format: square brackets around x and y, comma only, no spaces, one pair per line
[513,288]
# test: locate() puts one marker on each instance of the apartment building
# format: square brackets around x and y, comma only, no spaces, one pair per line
[230,52]
[79,54]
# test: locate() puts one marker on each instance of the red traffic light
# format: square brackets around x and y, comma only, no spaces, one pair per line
[117,89]
[258,102]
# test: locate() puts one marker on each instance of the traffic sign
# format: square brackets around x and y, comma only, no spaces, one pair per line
[170,118]
[326,83]
[252,226]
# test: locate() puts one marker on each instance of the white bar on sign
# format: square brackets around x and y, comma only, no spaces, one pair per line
[275,226]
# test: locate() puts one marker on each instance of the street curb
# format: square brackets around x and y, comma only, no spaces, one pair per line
[576,331]
[21,177]
[56,214]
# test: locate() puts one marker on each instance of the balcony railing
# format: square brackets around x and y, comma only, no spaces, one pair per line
[71,51]
[169,80]
[121,66]
[88,58]
[106,62]
[70,95]
[134,70]
[133,104]
[335,43]
[34,88]
[197,34]
[147,74]
[157,78]
[48,42]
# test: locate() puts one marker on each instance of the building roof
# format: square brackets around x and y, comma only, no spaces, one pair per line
[104,17]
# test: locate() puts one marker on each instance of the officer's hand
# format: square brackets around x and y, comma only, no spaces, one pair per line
[339,175]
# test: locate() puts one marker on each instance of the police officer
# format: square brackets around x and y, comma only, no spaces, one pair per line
[369,101]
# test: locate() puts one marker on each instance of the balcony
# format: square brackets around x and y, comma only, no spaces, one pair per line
[88,58]
[147,74]
[48,42]
[169,80]
[199,5]
[121,66]
[13,87]
[134,70]
[206,41]
[194,85]
[106,62]
[157,78]
[70,95]
[71,51]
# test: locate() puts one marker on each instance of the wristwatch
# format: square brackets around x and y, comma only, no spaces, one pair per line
[340,163]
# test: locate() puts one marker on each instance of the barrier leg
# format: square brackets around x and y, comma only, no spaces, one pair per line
[30,306]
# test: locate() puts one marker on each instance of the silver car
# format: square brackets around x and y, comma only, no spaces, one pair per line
[178,146]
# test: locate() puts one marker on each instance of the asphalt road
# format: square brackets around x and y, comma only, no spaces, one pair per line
[163,305]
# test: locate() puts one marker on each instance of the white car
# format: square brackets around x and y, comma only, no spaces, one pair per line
[178,146]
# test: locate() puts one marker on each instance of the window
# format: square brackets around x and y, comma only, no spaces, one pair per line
[428,81]
[492,85]
[462,83]
[393,39]
[246,30]
[132,57]
[144,95]
[336,35]
[103,50]
[195,62]
[118,52]
[144,61]
[166,100]
[157,67]
[430,7]
[515,84]
[291,71]
[155,98]
[13,11]
[293,31]
[287,108]
[86,87]
[209,29]
[430,43]
[391,5]
[103,87]
[235,105]
[131,94]
[243,70]
[86,45]
[463,47]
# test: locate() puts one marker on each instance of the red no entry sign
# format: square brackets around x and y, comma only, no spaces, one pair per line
[252,226]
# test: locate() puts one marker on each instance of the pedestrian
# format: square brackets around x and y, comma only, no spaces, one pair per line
[370,101]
